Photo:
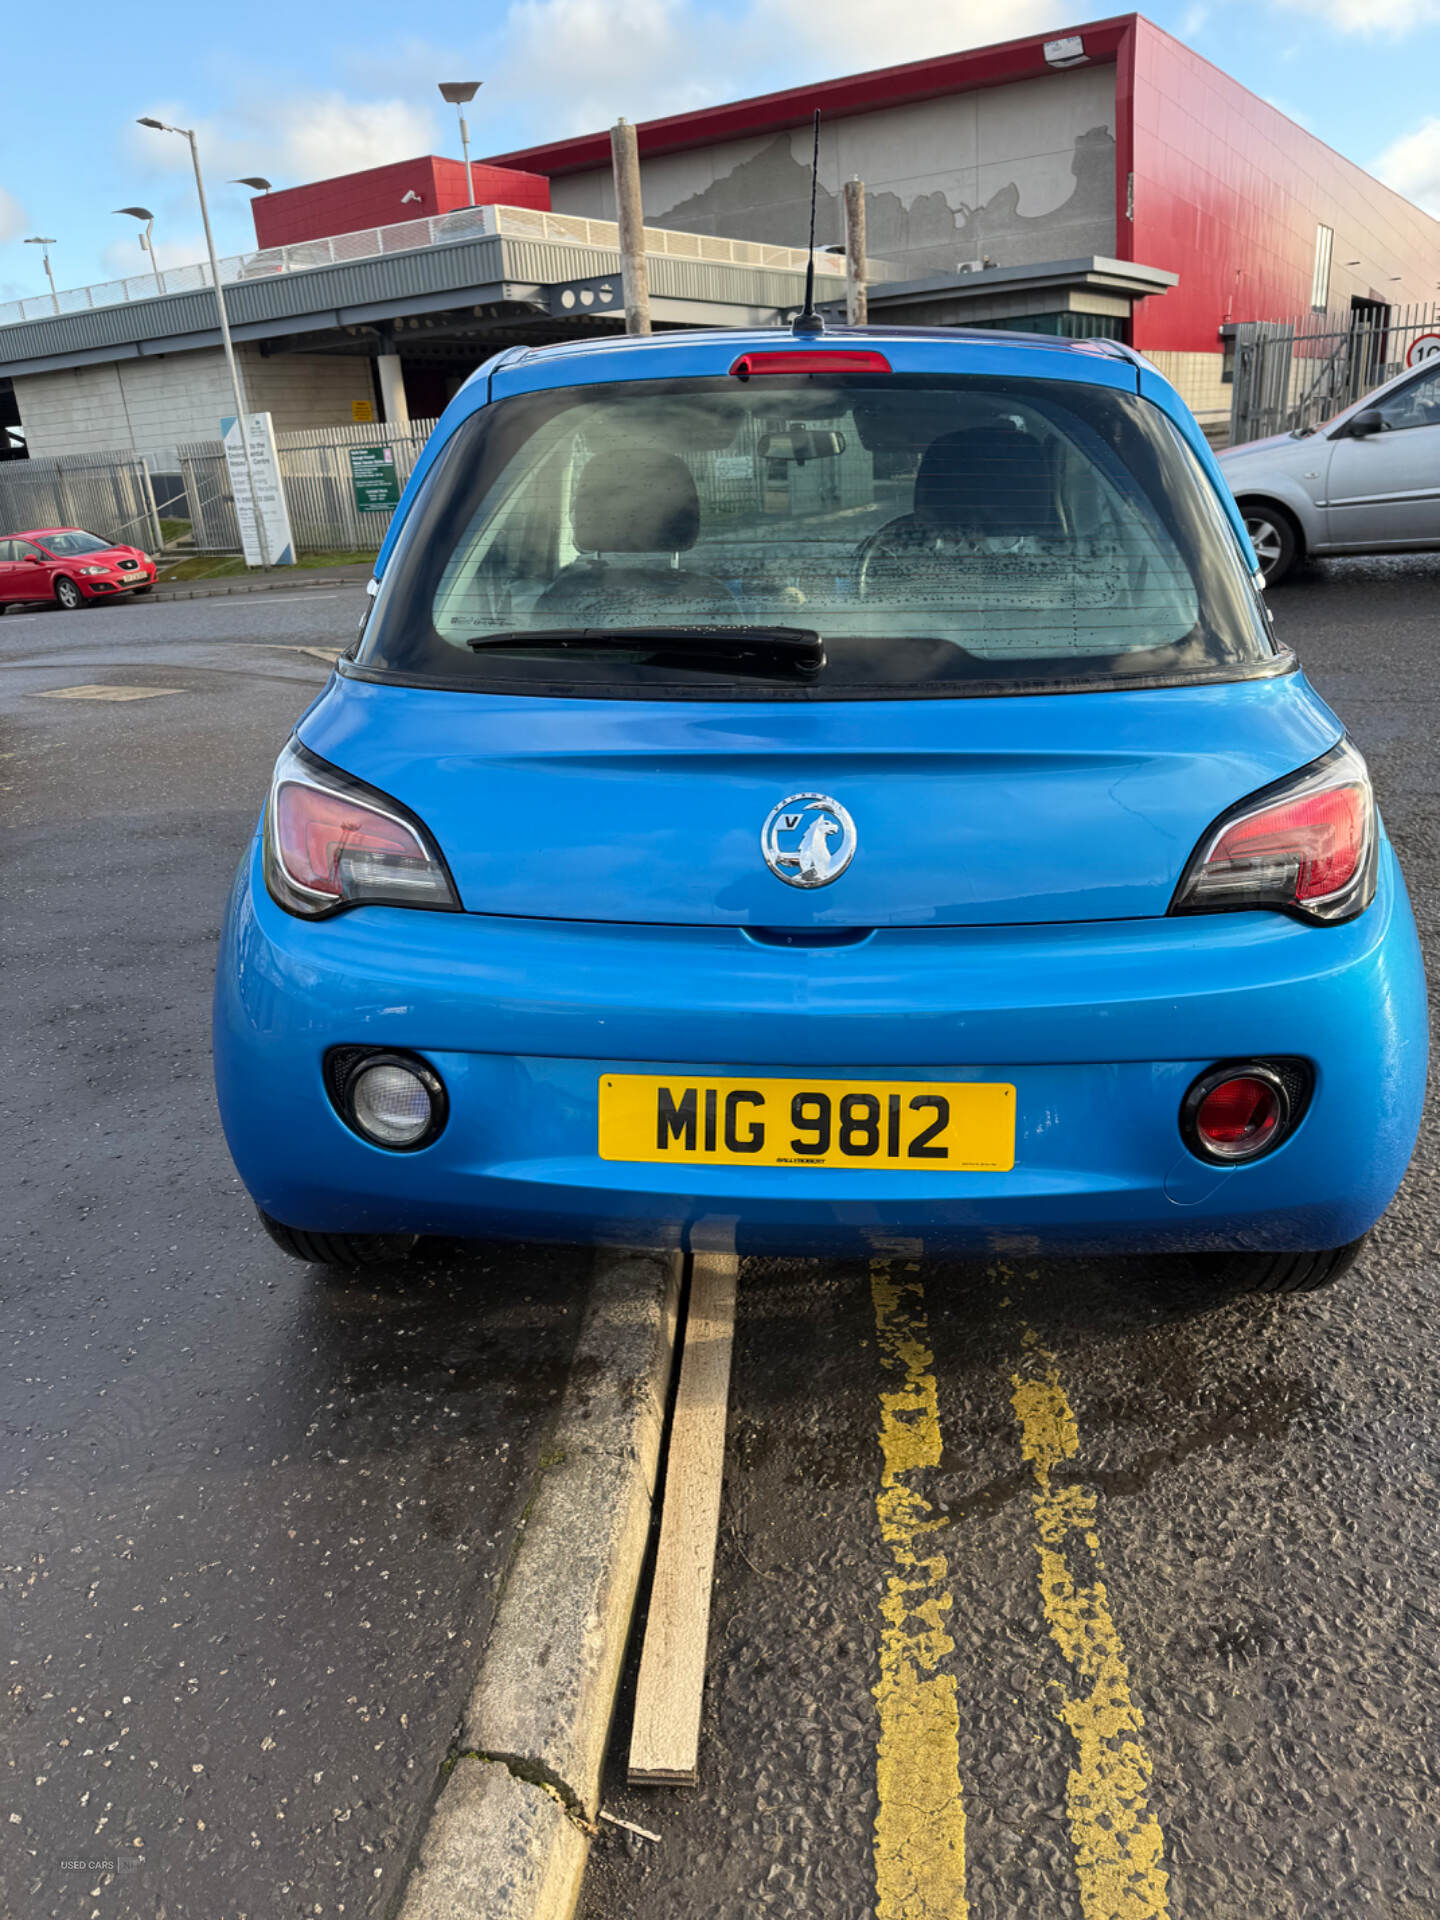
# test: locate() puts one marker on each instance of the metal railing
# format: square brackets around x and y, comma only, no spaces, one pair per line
[178,499]
[469,223]
[1291,375]
[105,493]
[320,490]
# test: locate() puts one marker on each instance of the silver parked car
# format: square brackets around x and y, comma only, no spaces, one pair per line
[1367,481]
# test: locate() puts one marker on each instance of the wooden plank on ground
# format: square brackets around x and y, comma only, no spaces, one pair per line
[665,1739]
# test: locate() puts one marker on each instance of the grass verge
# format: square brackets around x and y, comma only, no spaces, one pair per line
[219,566]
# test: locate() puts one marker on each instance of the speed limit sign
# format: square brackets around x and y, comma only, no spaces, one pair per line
[1423,349]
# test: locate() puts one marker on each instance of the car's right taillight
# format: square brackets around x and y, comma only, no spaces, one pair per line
[1305,846]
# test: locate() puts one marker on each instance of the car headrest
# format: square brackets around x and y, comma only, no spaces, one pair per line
[634,500]
[986,480]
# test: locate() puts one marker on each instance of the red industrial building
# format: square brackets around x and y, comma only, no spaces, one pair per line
[385,196]
[1104,180]
[1110,139]
[1210,181]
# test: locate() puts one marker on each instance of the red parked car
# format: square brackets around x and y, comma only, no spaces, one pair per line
[69,567]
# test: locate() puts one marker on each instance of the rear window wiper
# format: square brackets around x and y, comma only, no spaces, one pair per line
[744,649]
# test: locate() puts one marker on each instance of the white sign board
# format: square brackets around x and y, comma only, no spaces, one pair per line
[1425,348]
[265,463]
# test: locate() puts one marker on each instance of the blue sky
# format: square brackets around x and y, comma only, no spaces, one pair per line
[297,92]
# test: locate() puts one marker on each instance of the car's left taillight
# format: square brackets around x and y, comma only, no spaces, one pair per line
[1305,846]
[331,842]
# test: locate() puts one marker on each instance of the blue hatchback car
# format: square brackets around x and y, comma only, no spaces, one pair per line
[832,790]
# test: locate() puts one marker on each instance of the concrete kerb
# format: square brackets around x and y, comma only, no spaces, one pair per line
[497,1847]
[292,580]
[508,1835]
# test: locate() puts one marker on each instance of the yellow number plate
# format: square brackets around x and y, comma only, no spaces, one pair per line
[901,1125]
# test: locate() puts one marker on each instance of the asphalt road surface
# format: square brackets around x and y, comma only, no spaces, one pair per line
[1179,1565]
[1158,1635]
[251,1518]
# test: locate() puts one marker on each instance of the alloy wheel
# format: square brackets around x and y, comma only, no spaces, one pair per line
[1265,538]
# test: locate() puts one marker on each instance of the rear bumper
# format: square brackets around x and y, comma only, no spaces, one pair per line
[1101,1026]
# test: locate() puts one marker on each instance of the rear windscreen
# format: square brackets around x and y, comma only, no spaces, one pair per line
[940,535]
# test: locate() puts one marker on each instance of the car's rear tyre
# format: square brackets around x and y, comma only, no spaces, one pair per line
[68,594]
[1275,538]
[1280,1272]
[348,1250]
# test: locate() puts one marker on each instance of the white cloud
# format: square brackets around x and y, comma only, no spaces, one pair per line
[1411,165]
[557,67]
[845,34]
[153,152]
[289,137]
[325,133]
[574,66]
[125,258]
[1283,106]
[1370,16]
[411,69]
[1192,21]
[580,68]
[552,68]
[12,216]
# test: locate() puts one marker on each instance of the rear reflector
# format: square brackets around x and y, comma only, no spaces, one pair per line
[797,360]
[1244,1110]
[1239,1116]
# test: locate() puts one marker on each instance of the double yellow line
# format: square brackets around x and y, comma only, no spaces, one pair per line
[920,1827]
[1116,1840]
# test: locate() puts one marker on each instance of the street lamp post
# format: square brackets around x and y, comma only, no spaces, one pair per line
[235,385]
[38,240]
[458,93]
[147,239]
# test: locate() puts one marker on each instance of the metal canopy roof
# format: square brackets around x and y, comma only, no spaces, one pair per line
[500,274]
[1125,280]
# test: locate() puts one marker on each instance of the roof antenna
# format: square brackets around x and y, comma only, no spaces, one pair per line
[807,321]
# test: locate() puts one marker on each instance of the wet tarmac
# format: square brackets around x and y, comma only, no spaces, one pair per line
[1167,1570]
[252,1518]
[1180,1560]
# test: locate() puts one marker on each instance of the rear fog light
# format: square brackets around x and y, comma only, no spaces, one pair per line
[1239,1115]
[1244,1111]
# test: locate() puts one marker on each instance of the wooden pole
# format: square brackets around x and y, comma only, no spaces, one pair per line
[625,158]
[665,1738]
[857,303]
